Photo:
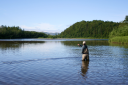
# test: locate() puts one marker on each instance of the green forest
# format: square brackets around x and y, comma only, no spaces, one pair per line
[13,32]
[119,35]
[84,29]
[94,29]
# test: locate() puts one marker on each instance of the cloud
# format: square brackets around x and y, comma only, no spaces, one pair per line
[43,27]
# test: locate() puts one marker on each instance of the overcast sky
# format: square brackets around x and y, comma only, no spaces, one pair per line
[57,15]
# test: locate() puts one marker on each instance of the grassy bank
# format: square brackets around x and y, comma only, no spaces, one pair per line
[119,39]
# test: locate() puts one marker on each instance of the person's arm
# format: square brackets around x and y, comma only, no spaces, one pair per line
[79,45]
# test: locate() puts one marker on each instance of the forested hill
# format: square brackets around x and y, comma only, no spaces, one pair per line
[7,32]
[84,29]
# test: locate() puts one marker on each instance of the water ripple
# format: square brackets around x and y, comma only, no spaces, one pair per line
[25,61]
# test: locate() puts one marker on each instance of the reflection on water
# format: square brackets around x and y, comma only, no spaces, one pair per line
[58,62]
[16,44]
[92,42]
[120,45]
[84,68]
[9,45]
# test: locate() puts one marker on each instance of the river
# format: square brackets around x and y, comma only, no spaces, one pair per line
[58,62]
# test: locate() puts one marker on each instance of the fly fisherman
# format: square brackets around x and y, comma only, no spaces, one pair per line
[85,52]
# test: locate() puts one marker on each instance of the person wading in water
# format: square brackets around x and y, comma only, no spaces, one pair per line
[85,52]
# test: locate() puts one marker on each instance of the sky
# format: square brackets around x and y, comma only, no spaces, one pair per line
[58,15]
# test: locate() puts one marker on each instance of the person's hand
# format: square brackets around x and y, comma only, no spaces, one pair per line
[78,44]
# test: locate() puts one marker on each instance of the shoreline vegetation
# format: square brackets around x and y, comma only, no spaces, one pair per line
[115,32]
[119,39]
[119,35]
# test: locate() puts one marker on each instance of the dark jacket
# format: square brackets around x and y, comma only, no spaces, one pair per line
[85,49]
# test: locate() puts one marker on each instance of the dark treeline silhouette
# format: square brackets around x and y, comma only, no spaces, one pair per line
[7,32]
[95,29]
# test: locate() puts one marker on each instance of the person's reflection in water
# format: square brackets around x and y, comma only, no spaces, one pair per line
[84,68]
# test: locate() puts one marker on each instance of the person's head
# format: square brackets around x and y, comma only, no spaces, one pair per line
[84,42]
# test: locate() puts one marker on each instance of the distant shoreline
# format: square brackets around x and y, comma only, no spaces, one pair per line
[72,38]
[45,39]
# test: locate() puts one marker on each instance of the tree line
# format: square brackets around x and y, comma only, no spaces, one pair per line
[119,35]
[84,29]
[94,29]
[121,31]
[7,32]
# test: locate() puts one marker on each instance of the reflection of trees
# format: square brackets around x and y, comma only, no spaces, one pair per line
[93,42]
[16,44]
[71,43]
[97,42]
[84,68]
[117,44]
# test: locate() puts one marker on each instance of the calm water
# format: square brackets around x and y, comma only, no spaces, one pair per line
[58,62]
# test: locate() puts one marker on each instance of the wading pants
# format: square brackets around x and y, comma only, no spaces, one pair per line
[85,56]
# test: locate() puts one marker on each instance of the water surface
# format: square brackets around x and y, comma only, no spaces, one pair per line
[58,62]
